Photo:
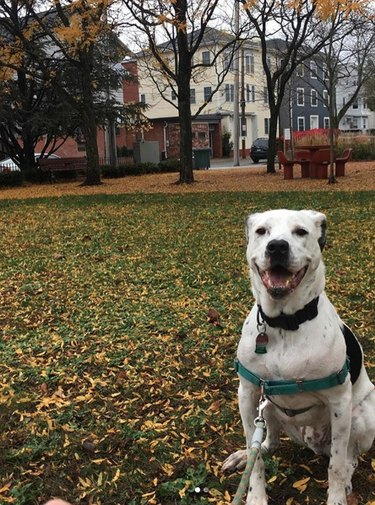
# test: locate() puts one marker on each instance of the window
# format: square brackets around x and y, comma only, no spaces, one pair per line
[313,70]
[324,71]
[300,70]
[143,98]
[250,93]
[207,92]
[266,125]
[206,57]
[301,123]
[192,95]
[300,96]
[314,98]
[249,63]
[326,122]
[355,104]
[229,92]
[265,95]
[228,60]
[325,97]
[268,63]
[173,95]
[364,103]
[314,122]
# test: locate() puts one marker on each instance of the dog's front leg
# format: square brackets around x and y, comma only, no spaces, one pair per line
[340,411]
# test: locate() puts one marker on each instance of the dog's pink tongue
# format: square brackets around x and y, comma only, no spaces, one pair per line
[278,278]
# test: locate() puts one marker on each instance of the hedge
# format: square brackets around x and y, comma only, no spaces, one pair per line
[110,171]
[11,179]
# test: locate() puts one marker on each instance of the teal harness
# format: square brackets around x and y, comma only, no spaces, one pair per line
[292,322]
[293,386]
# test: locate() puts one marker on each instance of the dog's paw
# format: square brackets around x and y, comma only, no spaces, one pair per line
[252,499]
[236,461]
[270,446]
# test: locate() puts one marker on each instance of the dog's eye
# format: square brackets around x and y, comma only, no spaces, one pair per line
[260,231]
[301,232]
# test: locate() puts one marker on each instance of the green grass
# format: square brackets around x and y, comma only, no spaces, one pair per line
[114,386]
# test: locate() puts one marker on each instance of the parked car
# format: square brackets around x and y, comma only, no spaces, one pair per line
[11,166]
[259,150]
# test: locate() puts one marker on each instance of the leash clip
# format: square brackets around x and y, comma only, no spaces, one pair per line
[263,402]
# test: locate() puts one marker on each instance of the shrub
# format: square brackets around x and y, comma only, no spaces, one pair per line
[142,168]
[315,137]
[363,147]
[170,165]
[124,151]
[111,172]
[11,179]
[227,144]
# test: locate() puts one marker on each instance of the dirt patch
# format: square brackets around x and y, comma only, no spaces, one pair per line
[359,176]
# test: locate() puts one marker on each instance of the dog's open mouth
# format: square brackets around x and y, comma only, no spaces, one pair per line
[279,281]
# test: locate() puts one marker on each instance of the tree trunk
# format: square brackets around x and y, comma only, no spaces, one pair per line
[333,127]
[272,143]
[186,140]
[89,130]
[89,125]
[183,87]
[331,174]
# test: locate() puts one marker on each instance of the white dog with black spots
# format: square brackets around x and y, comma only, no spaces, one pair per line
[304,342]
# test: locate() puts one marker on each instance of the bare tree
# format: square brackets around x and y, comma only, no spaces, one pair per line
[287,35]
[174,31]
[369,87]
[343,61]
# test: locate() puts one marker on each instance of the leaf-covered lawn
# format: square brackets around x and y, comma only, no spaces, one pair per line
[116,386]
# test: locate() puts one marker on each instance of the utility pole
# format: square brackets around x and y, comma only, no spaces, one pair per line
[236,118]
[110,148]
[243,105]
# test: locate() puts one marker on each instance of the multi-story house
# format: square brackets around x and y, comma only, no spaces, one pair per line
[305,103]
[217,115]
[358,118]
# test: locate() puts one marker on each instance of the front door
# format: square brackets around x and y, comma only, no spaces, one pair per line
[314,122]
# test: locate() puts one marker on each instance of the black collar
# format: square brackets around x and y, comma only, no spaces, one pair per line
[292,321]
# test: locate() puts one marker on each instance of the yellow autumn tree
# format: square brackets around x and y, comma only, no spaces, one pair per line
[77,56]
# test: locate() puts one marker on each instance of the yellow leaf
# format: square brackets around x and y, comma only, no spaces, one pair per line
[272,479]
[117,475]
[305,467]
[301,485]
[227,496]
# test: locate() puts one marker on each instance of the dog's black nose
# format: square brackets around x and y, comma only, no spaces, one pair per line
[277,249]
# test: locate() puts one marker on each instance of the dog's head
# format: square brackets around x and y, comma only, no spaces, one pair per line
[284,252]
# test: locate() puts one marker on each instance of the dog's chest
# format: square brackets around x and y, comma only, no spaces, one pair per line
[310,352]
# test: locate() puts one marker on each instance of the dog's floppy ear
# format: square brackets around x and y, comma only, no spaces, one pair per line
[320,221]
[248,224]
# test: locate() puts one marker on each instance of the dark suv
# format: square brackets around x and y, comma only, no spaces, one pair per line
[259,150]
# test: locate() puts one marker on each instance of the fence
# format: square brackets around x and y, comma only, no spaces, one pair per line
[120,160]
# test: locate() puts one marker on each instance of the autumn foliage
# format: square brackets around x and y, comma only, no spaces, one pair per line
[120,321]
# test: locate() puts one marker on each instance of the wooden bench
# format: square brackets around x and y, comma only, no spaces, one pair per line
[52,165]
[340,162]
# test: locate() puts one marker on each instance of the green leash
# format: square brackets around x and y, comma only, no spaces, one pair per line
[256,442]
